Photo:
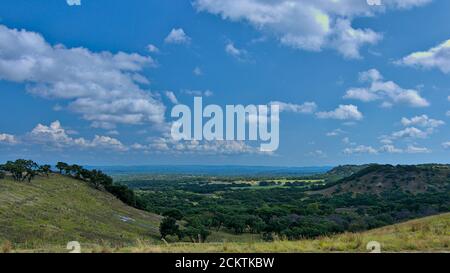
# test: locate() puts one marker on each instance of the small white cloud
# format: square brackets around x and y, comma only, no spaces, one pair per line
[361,149]
[56,136]
[410,132]
[305,108]
[73,2]
[177,36]
[388,92]
[171,96]
[8,139]
[391,149]
[422,121]
[152,48]
[343,112]
[231,50]
[335,132]
[436,57]
[446,145]
[417,150]
[197,71]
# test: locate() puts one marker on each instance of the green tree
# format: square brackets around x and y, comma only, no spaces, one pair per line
[168,227]
[61,166]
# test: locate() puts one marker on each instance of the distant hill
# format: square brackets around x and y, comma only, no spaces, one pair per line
[381,178]
[212,170]
[59,209]
[343,171]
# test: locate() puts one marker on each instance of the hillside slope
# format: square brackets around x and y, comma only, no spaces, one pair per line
[430,234]
[58,209]
[376,179]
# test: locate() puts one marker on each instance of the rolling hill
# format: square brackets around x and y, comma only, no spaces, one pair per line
[376,179]
[58,209]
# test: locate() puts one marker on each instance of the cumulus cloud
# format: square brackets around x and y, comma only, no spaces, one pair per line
[218,147]
[102,87]
[305,108]
[177,36]
[8,139]
[422,121]
[361,149]
[343,112]
[307,24]
[388,92]
[388,148]
[446,145]
[417,150]
[152,48]
[418,127]
[56,136]
[232,50]
[73,2]
[436,57]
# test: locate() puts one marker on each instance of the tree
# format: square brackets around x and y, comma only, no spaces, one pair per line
[75,171]
[2,174]
[21,169]
[168,226]
[174,213]
[61,166]
[45,169]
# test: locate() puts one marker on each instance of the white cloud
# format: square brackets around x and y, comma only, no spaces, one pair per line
[361,149]
[305,108]
[410,132]
[307,24]
[171,96]
[446,145]
[56,136]
[152,48]
[343,112]
[101,87]
[388,92]
[231,50]
[436,57]
[218,147]
[417,150]
[177,36]
[318,153]
[423,121]
[391,149]
[197,71]
[73,2]
[335,132]
[8,139]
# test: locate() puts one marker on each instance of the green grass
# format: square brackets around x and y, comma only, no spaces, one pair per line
[56,210]
[431,234]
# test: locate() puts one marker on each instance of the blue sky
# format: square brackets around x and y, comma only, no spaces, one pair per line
[93,82]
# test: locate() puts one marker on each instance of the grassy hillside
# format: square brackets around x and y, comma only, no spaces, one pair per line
[431,234]
[56,210]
